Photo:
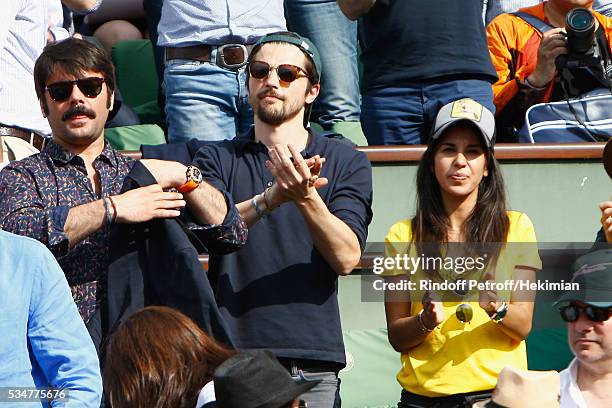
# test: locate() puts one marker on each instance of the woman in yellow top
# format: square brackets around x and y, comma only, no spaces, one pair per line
[452,351]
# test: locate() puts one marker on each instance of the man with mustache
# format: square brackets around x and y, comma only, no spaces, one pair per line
[68,196]
[587,382]
[307,200]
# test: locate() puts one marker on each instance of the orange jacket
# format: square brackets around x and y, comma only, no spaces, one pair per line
[513,45]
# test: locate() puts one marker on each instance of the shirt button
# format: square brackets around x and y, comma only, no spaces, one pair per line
[269,184]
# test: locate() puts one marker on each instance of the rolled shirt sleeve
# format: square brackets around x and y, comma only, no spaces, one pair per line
[226,237]
[351,199]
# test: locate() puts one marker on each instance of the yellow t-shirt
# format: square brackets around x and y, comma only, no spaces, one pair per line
[462,357]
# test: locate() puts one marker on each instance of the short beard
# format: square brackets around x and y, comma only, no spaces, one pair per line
[274,116]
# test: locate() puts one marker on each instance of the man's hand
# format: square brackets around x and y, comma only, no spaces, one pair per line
[553,44]
[433,311]
[294,181]
[146,203]
[169,174]
[606,219]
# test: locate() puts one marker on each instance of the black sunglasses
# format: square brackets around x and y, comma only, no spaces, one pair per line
[90,87]
[286,72]
[571,313]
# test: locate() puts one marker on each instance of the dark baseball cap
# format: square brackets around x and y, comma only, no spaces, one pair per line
[593,274]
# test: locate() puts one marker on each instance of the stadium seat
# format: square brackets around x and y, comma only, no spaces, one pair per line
[131,137]
[350,130]
[137,78]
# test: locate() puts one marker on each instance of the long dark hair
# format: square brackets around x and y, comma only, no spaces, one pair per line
[487,224]
[159,358]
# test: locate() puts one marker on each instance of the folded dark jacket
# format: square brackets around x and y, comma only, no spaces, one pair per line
[156,263]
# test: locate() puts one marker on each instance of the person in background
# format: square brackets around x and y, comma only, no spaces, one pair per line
[587,382]
[174,369]
[525,60]
[44,342]
[335,37]
[493,8]
[254,379]
[417,57]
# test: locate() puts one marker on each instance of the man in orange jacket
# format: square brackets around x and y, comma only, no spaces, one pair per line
[524,57]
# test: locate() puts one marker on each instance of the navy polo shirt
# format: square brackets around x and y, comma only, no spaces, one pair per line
[278,292]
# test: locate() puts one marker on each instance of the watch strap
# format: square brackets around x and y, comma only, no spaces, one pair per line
[188,186]
[500,313]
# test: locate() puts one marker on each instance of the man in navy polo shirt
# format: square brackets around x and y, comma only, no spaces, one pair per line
[307,200]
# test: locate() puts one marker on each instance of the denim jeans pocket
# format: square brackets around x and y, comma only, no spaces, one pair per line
[330,378]
[183,65]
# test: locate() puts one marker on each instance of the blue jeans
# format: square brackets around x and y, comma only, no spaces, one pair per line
[205,101]
[335,37]
[404,115]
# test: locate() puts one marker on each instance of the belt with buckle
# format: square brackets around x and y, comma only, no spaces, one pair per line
[230,56]
[32,138]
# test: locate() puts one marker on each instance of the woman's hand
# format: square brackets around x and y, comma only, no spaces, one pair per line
[433,311]
[488,298]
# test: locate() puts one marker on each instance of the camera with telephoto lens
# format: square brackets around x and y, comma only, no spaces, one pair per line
[580,34]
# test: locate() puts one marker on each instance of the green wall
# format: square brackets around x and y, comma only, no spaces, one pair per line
[560,197]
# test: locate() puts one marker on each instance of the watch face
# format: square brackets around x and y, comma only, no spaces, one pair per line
[194,174]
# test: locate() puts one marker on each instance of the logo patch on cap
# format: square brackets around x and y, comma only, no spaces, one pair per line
[467,109]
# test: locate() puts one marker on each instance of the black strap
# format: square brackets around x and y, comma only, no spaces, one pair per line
[537,23]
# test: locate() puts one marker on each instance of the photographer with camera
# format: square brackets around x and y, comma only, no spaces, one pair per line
[552,51]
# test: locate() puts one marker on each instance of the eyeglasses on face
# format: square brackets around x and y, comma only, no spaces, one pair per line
[286,72]
[571,313]
[90,87]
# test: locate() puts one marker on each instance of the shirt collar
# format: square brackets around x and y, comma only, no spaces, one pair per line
[60,154]
[246,141]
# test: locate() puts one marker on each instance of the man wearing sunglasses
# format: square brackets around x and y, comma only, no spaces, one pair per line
[307,200]
[69,195]
[587,382]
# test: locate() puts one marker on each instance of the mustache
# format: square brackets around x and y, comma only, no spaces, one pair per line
[273,94]
[78,110]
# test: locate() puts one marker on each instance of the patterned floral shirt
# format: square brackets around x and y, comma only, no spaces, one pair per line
[35,196]
[37,192]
